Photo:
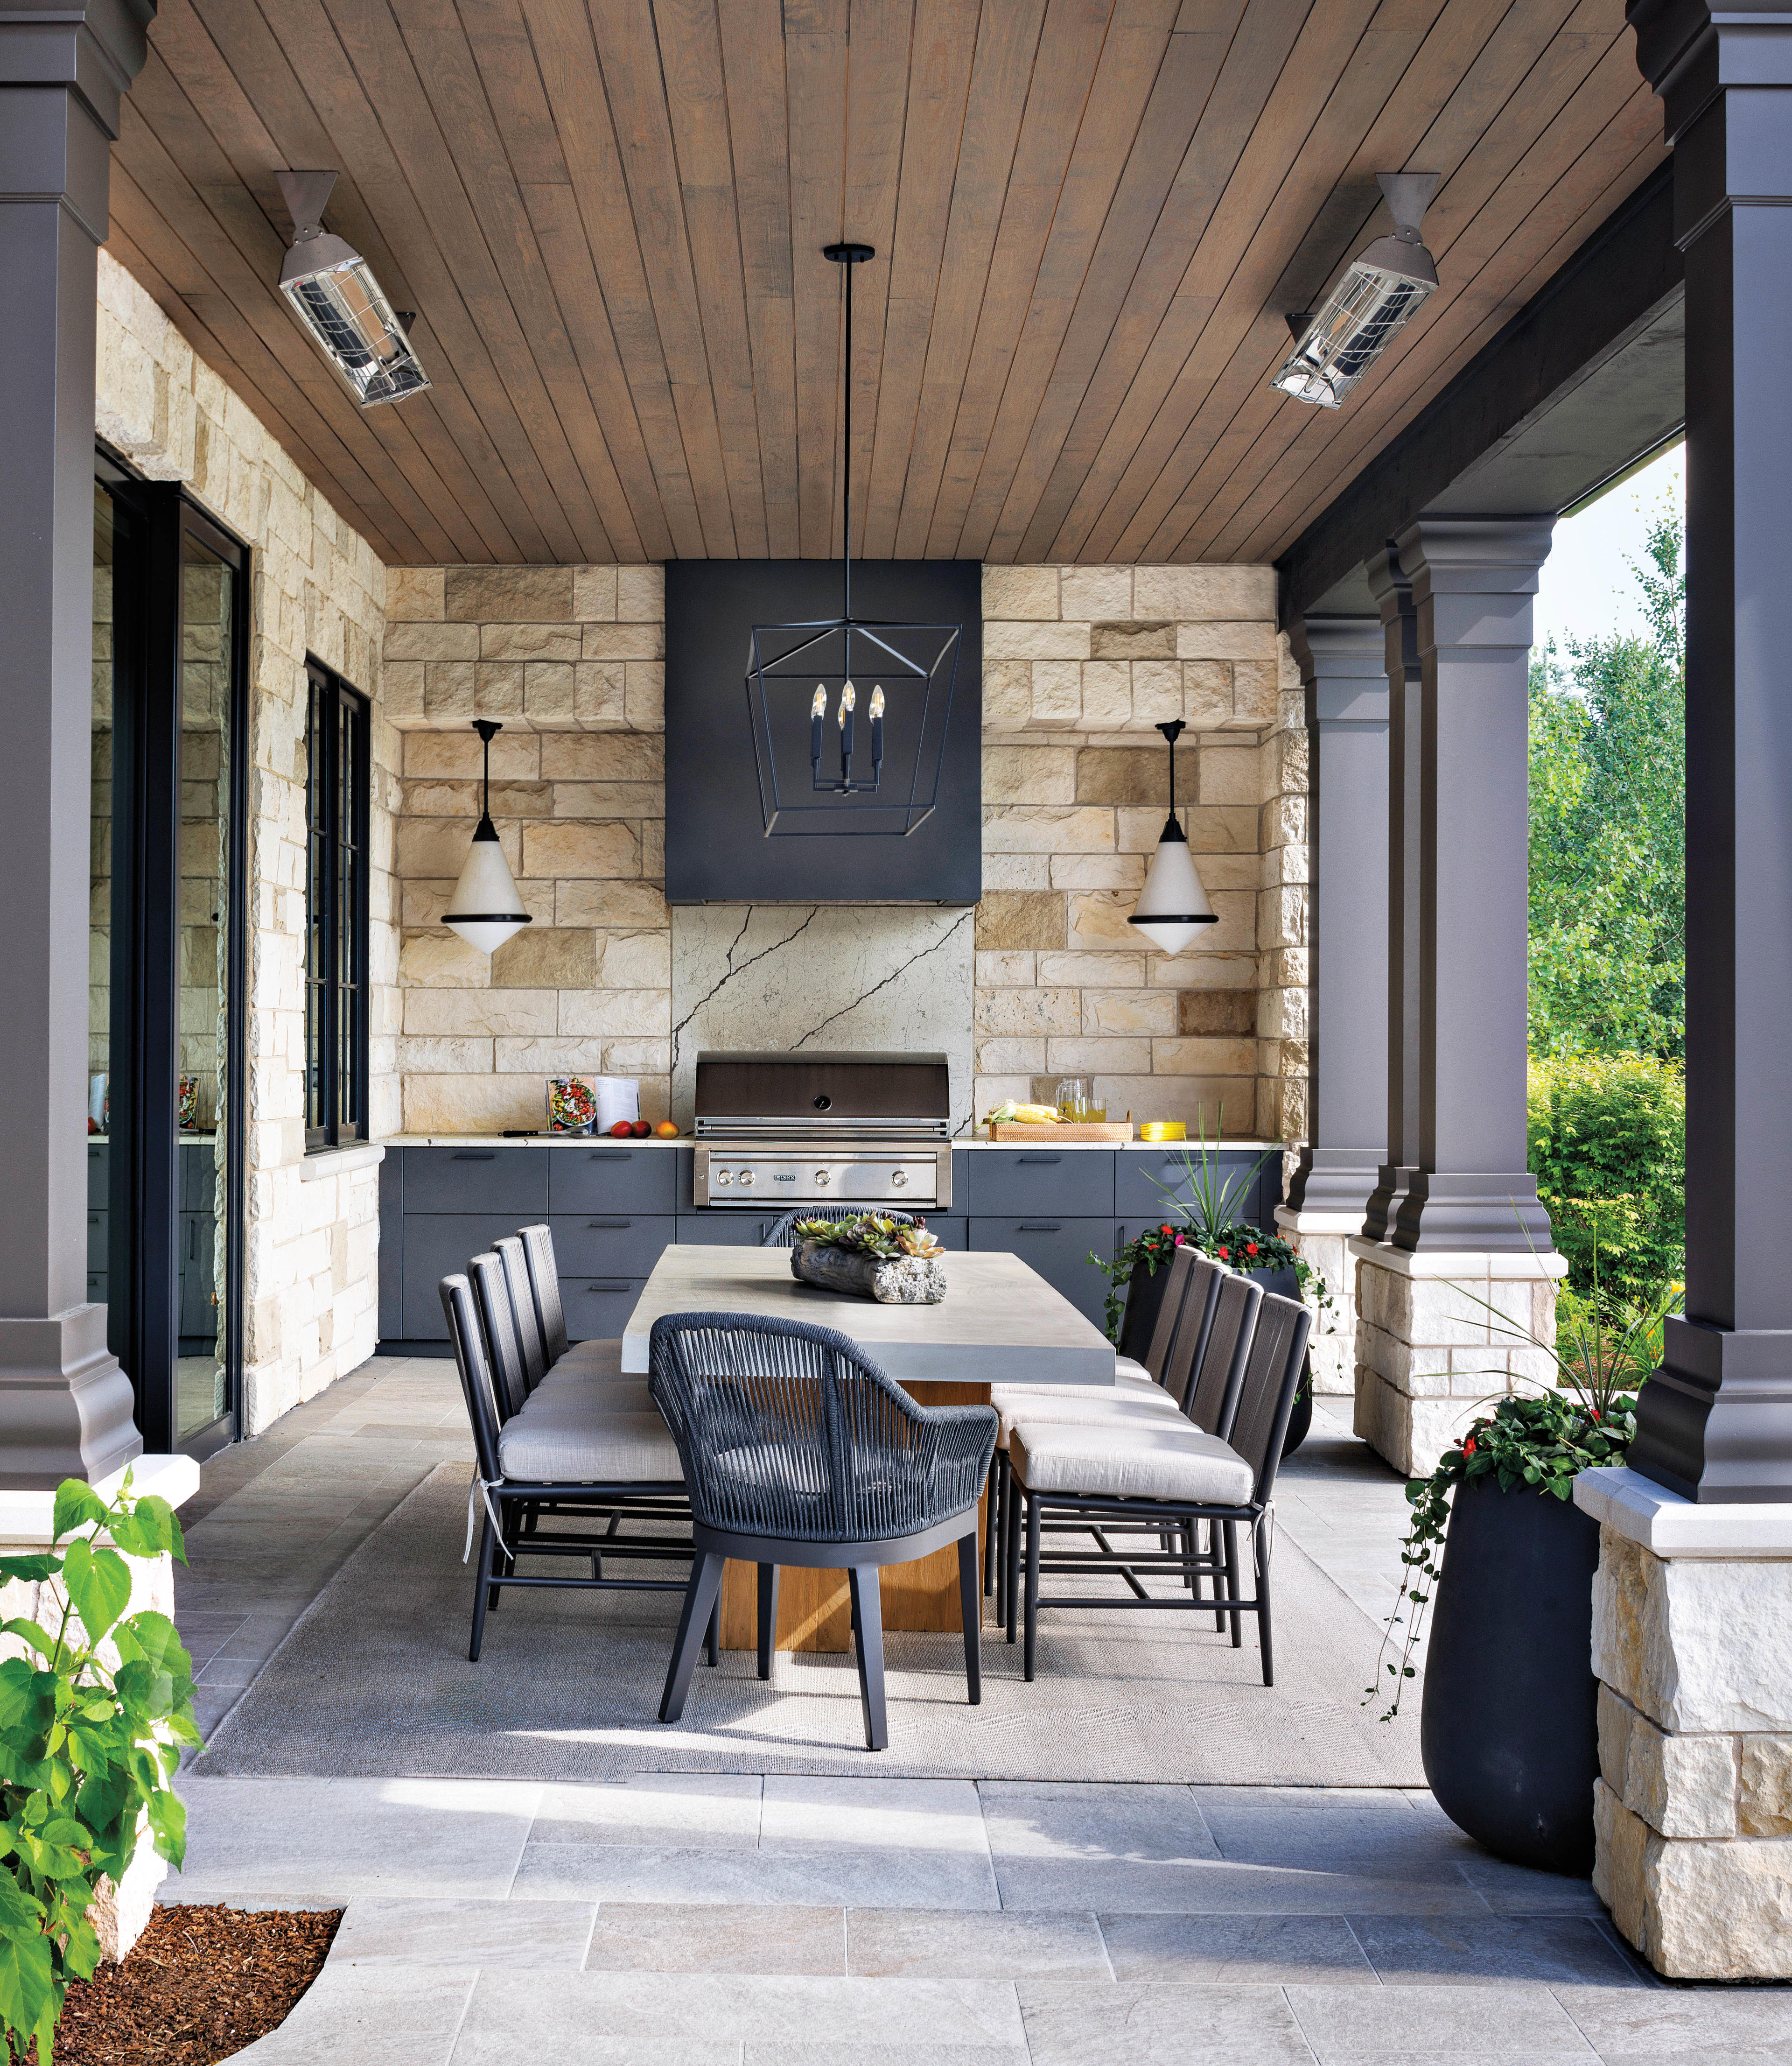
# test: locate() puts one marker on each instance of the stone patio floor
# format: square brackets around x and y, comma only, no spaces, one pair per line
[684,1920]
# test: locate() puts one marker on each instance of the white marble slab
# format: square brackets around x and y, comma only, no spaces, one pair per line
[819,977]
[999,1323]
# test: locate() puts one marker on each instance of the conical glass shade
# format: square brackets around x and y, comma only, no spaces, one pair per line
[1172,907]
[485,909]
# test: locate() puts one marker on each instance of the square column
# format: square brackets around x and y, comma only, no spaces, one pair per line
[1342,666]
[1715,1422]
[65,1404]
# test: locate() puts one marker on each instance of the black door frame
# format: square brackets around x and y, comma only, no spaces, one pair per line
[143,1279]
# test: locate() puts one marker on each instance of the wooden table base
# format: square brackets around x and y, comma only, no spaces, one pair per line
[814,1609]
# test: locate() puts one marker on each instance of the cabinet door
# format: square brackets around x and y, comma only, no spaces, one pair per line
[724,1229]
[612,1179]
[1059,1249]
[1052,1182]
[1254,1191]
[392,1245]
[597,1308]
[512,1181]
[610,1244]
[438,1245]
[99,1172]
[96,1239]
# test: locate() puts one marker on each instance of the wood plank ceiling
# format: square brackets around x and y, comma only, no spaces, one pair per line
[1090,215]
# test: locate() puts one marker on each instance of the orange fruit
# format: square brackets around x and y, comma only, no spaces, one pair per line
[666,1130]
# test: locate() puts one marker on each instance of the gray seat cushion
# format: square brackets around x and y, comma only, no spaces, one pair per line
[614,1395]
[597,1359]
[1109,1409]
[562,1441]
[1130,1460]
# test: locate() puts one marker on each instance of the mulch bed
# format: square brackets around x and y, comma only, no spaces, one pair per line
[199,1985]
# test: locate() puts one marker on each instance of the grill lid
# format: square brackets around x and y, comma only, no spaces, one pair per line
[830,1091]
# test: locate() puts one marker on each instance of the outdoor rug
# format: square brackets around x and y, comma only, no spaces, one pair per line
[374,1680]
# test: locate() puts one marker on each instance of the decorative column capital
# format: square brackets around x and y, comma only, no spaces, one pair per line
[93,50]
[1343,663]
[1691,52]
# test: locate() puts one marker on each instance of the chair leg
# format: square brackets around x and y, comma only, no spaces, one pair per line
[481,1582]
[768,1616]
[1011,1553]
[502,1561]
[1231,1584]
[992,1506]
[712,1640]
[1219,1575]
[970,1610]
[701,1596]
[869,1611]
[1262,1561]
[1032,1584]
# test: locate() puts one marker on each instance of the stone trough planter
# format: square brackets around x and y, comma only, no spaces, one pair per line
[903,1280]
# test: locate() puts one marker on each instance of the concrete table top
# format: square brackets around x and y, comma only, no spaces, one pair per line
[999,1323]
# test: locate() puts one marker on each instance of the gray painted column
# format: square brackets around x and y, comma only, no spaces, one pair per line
[65,1405]
[1341,661]
[1472,581]
[1716,1420]
[1393,592]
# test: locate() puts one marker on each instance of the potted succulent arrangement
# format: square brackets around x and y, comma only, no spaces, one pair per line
[1209,1218]
[1502,1560]
[894,1262]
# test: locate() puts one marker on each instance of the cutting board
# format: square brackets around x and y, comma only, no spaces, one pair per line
[1015,1130]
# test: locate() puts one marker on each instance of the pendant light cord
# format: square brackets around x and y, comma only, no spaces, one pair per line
[846,468]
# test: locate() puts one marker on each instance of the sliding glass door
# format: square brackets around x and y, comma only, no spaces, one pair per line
[167,948]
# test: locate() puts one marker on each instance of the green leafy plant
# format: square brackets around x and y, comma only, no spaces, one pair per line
[870,1233]
[92,1718]
[1542,1443]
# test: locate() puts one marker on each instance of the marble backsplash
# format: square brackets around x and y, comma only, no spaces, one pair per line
[821,977]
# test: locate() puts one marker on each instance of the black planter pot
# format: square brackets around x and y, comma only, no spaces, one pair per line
[1145,1289]
[1508,1732]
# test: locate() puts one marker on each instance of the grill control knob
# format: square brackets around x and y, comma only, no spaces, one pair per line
[747,1176]
[899,1177]
[722,1176]
[823,1180]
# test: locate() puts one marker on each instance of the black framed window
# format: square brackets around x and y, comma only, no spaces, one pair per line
[337,790]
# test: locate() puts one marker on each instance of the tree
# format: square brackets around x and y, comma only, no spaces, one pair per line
[1608,829]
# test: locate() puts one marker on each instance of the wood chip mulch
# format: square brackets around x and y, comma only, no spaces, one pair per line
[198,1985]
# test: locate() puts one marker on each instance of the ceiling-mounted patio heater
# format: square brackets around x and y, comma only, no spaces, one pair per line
[865,703]
[338,299]
[1378,295]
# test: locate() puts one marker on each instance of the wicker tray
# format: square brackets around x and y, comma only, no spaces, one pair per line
[1015,1130]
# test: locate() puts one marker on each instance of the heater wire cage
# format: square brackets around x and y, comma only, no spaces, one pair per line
[1369,305]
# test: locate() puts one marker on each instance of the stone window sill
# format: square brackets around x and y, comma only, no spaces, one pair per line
[340,1161]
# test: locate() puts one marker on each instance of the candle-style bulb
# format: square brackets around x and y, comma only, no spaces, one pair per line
[877,702]
[876,732]
[849,701]
[819,707]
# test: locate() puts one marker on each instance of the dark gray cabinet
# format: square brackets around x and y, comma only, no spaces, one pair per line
[1077,1181]
[1058,1247]
[612,1180]
[476,1180]
[610,1244]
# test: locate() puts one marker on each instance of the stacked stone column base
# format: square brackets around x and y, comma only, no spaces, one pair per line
[1693,1649]
[1322,1239]
[1438,1343]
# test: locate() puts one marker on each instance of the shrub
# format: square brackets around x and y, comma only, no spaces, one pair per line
[1608,1147]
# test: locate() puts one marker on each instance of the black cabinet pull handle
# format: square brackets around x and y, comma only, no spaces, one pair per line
[1039,1158]
[482,1154]
[1039,1227]
[609,1284]
[612,1155]
[609,1223]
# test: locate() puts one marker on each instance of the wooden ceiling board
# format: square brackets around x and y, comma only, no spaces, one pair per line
[1090,216]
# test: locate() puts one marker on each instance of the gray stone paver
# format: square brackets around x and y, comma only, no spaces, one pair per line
[680,1919]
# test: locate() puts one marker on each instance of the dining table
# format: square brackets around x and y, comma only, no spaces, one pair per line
[1000,1322]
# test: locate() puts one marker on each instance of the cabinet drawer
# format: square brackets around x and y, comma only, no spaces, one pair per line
[99,1172]
[513,1181]
[198,1177]
[724,1229]
[610,1244]
[597,1308]
[1255,1193]
[97,1239]
[96,1287]
[612,1180]
[1059,1249]
[1054,1181]
[438,1245]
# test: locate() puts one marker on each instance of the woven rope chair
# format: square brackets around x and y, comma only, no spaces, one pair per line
[780,1235]
[797,1449]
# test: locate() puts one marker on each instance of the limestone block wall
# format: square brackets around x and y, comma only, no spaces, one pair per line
[1080,664]
[569,660]
[316,588]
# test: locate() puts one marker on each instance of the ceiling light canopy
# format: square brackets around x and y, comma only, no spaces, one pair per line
[485,909]
[1173,906]
[1380,293]
[341,302]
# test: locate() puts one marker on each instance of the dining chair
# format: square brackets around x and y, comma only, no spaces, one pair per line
[553,1458]
[572,1374]
[798,1450]
[602,1357]
[1160,1480]
[781,1233]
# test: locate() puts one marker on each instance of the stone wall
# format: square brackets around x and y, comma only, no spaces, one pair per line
[568,660]
[316,587]
[1080,665]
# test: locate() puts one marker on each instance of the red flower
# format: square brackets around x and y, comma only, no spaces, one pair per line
[1165,1228]
[1596,1412]
[1225,1255]
[1250,1248]
[1468,1447]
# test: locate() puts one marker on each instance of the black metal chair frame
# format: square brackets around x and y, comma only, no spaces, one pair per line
[840,1469]
[514,1509]
[1079,1514]
[777,1234]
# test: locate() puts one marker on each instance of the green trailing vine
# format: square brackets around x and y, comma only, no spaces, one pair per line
[92,1718]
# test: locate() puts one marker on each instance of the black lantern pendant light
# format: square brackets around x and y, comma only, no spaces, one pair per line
[485,909]
[856,699]
[1172,907]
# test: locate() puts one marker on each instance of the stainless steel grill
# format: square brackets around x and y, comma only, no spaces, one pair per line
[779,1130]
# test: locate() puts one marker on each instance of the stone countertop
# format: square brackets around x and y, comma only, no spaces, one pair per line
[689,1140]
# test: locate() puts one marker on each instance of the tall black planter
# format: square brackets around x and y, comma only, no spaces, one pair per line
[1508,1733]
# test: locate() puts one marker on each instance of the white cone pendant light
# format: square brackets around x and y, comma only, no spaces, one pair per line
[1172,907]
[485,909]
